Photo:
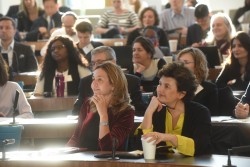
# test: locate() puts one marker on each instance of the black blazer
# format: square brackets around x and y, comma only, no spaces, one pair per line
[196,125]
[208,97]
[88,56]
[133,89]
[12,11]
[34,34]
[24,59]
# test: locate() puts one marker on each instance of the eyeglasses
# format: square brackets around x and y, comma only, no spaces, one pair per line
[53,48]
[186,62]
[92,63]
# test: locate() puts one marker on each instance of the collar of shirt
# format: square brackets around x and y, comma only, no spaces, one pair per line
[10,47]
[174,14]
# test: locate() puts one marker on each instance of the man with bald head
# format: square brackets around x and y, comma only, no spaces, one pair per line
[177,17]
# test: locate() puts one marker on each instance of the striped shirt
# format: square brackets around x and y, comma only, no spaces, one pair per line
[110,19]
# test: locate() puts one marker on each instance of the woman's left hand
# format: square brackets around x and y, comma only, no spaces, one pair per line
[101,105]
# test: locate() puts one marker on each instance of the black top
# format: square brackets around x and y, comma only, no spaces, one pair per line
[85,91]
[12,11]
[24,23]
[163,40]
[208,97]
[195,34]
[34,33]
[240,12]
[228,74]
[196,125]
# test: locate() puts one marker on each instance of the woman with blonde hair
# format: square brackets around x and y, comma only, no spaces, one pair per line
[221,32]
[206,93]
[107,114]
[29,11]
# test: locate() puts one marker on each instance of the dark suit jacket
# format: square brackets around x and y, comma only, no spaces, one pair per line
[88,56]
[197,125]
[12,11]
[24,59]
[208,97]
[24,23]
[34,33]
[133,89]
[195,34]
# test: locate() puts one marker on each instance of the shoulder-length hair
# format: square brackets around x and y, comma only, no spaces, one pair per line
[185,79]
[244,40]
[228,23]
[157,20]
[50,64]
[120,98]
[24,9]
[200,62]
[3,71]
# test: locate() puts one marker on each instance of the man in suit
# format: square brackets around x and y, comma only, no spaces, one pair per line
[19,57]
[45,25]
[98,56]
[84,32]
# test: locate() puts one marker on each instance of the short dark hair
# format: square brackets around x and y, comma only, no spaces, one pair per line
[201,11]
[84,26]
[6,18]
[157,20]
[185,79]
[146,44]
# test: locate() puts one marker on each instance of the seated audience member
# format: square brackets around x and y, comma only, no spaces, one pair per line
[118,22]
[99,55]
[236,73]
[151,34]
[172,119]
[242,108]
[8,93]
[46,24]
[206,93]
[85,45]
[177,16]
[148,17]
[145,66]
[221,32]
[107,115]
[62,57]
[18,56]
[198,31]
[240,12]
[68,29]
[29,11]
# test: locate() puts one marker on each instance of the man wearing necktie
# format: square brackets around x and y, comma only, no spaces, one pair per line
[45,25]
[19,57]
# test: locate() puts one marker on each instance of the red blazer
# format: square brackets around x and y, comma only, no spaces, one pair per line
[86,134]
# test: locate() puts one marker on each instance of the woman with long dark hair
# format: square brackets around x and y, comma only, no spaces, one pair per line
[62,57]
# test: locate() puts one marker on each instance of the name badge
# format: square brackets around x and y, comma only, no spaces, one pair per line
[123,21]
[68,78]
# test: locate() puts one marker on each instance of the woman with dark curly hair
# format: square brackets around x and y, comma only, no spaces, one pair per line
[148,17]
[172,119]
[62,57]
[236,73]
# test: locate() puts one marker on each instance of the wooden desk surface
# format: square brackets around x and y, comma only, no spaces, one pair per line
[111,41]
[87,159]
[29,78]
[42,104]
